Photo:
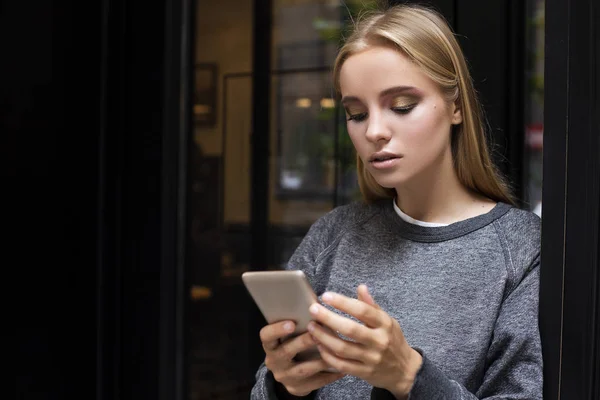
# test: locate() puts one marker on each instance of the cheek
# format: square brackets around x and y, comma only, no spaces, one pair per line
[427,130]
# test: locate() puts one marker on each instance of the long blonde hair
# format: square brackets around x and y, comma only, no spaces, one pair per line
[425,38]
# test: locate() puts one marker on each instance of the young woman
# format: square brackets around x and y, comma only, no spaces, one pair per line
[428,288]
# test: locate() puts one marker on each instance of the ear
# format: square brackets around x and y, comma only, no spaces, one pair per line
[456,113]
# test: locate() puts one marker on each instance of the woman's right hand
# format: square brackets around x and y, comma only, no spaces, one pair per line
[298,378]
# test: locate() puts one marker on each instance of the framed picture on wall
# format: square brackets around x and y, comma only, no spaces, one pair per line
[205,94]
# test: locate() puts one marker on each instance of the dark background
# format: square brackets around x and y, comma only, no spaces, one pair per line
[50,84]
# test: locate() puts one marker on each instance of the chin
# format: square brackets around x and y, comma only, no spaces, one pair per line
[390,182]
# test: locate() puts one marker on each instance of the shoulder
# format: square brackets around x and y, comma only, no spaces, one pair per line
[327,231]
[344,218]
[521,225]
[519,234]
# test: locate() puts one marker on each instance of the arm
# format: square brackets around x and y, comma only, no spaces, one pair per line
[514,360]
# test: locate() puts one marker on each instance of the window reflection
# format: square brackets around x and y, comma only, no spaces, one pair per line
[219,202]
[306,128]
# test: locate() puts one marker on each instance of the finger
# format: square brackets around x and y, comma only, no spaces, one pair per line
[360,310]
[270,346]
[306,369]
[271,334]
[289,350]
[365,296]
[341,324]
[340,347]
[344,366]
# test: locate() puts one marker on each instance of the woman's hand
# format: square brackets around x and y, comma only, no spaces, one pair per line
[380,354]
[299,378]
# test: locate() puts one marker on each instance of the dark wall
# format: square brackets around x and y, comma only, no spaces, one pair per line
[49,124]
[146,97]
[91,100]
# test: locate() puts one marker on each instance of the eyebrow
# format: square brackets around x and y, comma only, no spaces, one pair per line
[386,92]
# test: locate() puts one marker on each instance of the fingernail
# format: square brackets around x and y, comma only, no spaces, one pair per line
[314,309]
[311,327]
[327,296]
[288,326]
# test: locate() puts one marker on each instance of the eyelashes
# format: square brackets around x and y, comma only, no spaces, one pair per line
[402,110]
[357,117]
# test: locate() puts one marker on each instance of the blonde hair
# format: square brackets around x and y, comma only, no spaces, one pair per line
[425,38]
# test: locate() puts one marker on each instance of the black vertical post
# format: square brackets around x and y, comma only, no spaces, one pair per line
[582,223]
[554,195]
[176,142]
[570,276]
[261,153]
[261,127]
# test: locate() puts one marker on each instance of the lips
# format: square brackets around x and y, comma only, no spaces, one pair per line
[384,160]
[383,156]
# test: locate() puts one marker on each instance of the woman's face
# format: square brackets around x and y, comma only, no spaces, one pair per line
[398,119]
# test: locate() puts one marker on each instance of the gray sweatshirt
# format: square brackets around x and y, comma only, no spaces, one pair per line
[465,295]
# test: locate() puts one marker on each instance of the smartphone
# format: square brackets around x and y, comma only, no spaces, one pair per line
[282,296]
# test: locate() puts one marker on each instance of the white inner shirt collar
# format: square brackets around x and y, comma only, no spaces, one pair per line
[413,221]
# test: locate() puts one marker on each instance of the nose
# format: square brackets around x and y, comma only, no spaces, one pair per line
[377,130]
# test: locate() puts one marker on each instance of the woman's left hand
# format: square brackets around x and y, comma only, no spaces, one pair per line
[380,354]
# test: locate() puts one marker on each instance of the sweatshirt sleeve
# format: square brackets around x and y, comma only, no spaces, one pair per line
[264,388]
[514,358]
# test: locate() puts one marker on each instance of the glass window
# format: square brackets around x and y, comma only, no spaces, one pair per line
[219,203]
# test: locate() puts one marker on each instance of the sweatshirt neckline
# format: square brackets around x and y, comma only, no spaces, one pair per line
[439,234]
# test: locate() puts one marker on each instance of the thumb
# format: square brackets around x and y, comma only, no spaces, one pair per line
[364,295]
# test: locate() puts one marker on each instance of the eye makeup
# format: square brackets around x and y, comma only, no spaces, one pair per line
[360,116]
[404,104]
[355,113]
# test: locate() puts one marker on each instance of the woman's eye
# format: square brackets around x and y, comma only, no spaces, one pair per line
[403,109]
[357,117]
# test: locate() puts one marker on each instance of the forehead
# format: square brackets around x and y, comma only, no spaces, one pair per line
[378,68]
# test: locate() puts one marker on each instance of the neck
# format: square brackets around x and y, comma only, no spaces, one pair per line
[437,195]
